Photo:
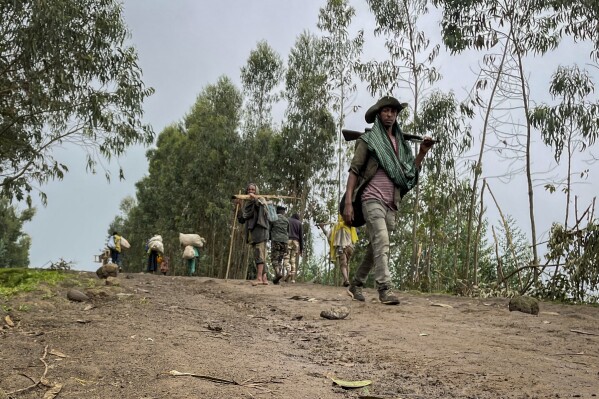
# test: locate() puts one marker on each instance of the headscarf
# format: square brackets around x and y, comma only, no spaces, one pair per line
[338,227]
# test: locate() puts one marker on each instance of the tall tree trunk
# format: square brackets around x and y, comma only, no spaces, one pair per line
[478,165]
[531,208]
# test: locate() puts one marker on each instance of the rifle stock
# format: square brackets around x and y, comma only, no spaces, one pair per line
[350,135]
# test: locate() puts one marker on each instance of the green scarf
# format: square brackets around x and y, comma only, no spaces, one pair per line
[400,168]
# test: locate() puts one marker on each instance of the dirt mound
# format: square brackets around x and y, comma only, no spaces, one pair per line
[154,336]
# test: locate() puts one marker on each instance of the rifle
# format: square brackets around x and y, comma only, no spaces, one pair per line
[267,196]
[350,135]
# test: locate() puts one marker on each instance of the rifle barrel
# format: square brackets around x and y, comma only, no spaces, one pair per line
[350,135]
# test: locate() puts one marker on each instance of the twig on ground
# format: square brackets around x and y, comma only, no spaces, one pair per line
[245,384]
[583,332]
[43,359]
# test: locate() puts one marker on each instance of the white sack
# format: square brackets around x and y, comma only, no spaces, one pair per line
[191,239]
[124,243]
[188,252]
[156,246]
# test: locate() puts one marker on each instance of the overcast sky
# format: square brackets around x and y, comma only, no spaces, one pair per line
[185,45]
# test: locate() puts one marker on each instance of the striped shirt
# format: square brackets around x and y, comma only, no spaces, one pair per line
[381,187]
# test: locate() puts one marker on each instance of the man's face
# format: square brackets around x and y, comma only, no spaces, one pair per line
[251,189]
[388,116]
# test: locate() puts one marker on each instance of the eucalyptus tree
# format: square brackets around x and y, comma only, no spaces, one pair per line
[443,117]
[303,151]
[410,67]
[521,28]
[571,125]
[67,76]
[14,242]
[183,193]
[578,18]
[260,77]
[578,279]
[340,52]
[159,200]
[303,154]
[213,145]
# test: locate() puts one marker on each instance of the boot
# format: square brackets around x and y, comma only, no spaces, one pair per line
[386,296]
[355,291]
[278,276]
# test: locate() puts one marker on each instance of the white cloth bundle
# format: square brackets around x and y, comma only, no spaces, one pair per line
[156,246]
[188,252]
[124,243]
[191,239]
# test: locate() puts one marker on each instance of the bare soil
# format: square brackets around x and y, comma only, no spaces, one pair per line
[270,341]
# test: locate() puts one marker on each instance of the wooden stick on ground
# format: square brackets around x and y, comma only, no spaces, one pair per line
[583,332]
[43,359]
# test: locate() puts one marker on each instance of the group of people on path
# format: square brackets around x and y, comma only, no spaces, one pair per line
[382,170]
[285,235]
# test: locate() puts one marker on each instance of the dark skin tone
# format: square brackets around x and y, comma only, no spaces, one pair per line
[388,116]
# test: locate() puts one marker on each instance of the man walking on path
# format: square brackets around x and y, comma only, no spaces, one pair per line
[279,236]
[257,227]
[295,246]
[382,171]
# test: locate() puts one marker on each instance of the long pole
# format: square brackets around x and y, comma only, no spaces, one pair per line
[231,245]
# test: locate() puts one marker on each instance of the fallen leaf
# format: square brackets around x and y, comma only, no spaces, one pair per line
[351,384]
[46,382]
[551,313]
[423,334]
[83,321]
[8,321]
[53,392]
[57,353]
[88,307]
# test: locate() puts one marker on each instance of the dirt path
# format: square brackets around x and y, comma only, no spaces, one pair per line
[264,344]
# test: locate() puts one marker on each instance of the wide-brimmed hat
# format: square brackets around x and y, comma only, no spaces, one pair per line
[386,101]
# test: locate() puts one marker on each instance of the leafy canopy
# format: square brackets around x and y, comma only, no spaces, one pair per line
[66,76]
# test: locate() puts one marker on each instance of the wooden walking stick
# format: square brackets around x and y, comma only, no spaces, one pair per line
[231,245]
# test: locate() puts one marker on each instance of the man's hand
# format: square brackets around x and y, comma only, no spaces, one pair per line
[427,144]
[348,214]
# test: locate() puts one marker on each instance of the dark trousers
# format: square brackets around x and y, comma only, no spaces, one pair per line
[152,261]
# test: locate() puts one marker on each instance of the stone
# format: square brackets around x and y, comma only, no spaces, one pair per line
[107,270]
[77,296]
[112,281]
[336,313]
[524,304]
